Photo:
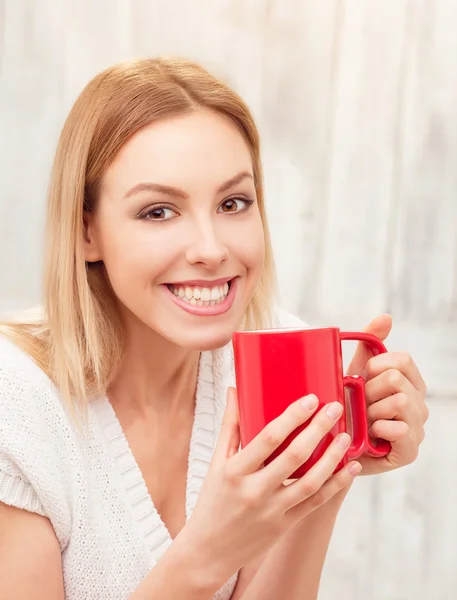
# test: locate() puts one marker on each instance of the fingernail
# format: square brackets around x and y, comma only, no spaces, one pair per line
[343,440]
[355,468]
[334,410]
[309,402]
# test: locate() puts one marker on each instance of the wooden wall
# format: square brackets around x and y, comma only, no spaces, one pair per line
[356,101]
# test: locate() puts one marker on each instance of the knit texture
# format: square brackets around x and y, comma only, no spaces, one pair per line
[87,481]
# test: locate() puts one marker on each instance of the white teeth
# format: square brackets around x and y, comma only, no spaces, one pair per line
[201,296]
[206,294]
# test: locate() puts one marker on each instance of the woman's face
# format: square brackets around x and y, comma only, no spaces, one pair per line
[178,228]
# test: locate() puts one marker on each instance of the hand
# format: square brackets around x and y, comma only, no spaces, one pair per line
[395,394]
[244,507]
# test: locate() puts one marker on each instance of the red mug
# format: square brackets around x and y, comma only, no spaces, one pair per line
[275,367]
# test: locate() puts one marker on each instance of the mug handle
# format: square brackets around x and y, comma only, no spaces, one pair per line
[361,442]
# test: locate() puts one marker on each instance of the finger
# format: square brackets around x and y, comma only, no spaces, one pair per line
[400,408]
[380,327]
[388,383]
[301,447]
[396,407]
[253,456]
[229,437]
[400,435]
[392,431]
[330,488]
[320,472]
[408,398]
[400,361]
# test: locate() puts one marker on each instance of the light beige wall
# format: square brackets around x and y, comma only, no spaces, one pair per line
[356,104]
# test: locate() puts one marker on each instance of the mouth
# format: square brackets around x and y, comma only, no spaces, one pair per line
[201,295]
[204,297]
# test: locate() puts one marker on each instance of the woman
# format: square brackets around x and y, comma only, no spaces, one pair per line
[113,409]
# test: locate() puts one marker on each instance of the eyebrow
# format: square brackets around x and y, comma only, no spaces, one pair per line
[234,181]
[178,192]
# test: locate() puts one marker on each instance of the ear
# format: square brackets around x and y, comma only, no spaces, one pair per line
[90,239]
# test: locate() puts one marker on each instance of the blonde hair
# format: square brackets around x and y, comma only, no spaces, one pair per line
[78,341]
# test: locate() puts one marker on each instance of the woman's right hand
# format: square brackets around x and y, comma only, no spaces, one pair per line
[244,507]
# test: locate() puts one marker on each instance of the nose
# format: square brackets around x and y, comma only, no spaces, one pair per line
[207,247]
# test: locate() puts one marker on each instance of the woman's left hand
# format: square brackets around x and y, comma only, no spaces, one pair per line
[395,395]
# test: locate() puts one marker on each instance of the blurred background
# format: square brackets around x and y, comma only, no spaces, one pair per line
[356,102]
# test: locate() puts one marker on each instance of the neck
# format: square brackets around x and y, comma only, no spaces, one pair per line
[154,374]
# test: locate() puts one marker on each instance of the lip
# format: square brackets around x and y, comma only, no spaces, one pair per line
[206,311]
[202,282]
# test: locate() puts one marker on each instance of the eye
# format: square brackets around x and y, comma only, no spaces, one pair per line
[159,213]
[235,205]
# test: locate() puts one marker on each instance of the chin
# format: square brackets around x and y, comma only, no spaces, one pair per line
[203,341]
[202,335]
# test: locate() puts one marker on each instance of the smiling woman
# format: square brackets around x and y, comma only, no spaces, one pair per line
[157,250]
[121,473]
[179,203]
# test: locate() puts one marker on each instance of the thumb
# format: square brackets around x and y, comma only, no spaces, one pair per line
[380,326]
[229,437]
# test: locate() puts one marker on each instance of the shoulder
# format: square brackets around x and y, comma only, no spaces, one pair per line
[14,359]
[35,439]
[25,389]
[30,404]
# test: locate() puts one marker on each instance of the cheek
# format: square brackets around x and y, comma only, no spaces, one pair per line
[134,257]
[250,246]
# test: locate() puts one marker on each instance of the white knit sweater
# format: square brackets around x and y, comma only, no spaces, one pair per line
[87,481]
